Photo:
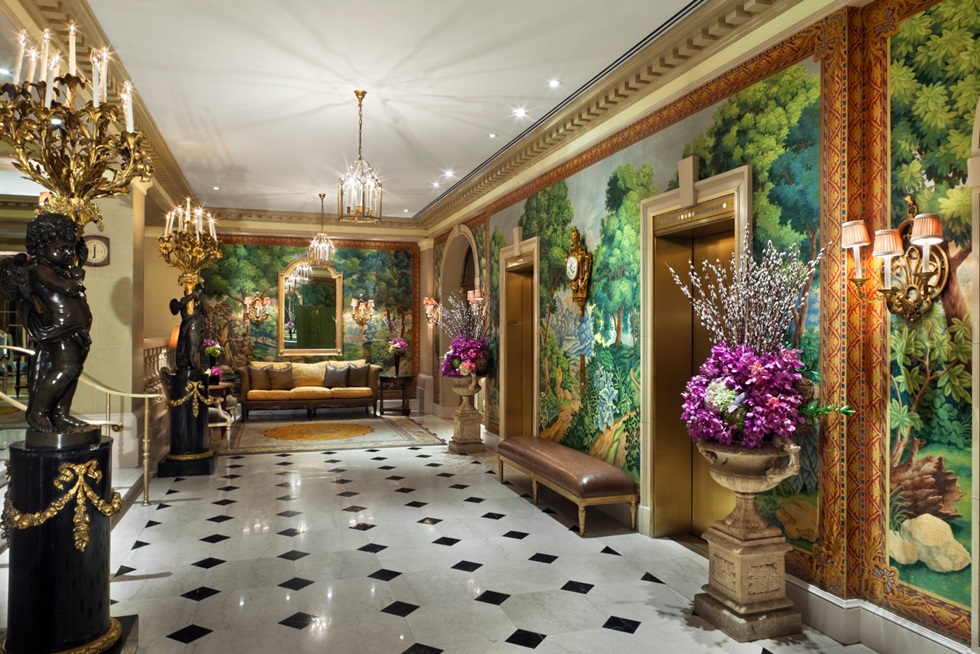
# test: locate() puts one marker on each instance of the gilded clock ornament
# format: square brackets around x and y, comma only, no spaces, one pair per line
[578,268]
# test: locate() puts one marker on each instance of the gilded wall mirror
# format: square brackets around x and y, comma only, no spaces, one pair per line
[310,310]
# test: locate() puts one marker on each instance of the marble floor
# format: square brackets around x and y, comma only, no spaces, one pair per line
[399,550]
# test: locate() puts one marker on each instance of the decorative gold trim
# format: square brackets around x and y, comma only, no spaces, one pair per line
[194,390]
[200,456]
[14,519]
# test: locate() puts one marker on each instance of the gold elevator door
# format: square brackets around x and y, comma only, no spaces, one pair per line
[709,500]
[518,387]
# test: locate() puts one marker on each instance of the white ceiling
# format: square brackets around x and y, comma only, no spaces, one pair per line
[257,97]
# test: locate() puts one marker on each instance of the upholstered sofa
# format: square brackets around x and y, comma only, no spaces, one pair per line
[310,386]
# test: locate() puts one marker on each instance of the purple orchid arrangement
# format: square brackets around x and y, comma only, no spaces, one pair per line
[398,346]
[466,356]
[742,398]
[751,388]
[215,372]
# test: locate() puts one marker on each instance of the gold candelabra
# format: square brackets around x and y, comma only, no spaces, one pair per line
[189,243]
[77,151]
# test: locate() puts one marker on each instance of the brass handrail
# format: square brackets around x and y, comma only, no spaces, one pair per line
[108,422]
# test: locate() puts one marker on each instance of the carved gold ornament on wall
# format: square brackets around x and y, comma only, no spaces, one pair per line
[578,270]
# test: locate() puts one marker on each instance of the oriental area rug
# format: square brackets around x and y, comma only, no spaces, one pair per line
[264,436]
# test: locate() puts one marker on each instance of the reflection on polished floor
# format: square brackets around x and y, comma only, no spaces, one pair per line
[406,549]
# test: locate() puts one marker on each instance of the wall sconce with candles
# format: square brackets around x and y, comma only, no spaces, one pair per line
[257,309]
[362,310]
[431,309]
[475,297]
[911,278]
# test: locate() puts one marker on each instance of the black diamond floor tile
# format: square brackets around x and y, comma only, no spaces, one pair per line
[343,481]
[527,639]
[237,456]
[475,500]
[493,516]
[446,475]
[138,544]
[363,526]
[354,508]
[372,450]
[446,540]
[189,634]
[578,587]
[384,574]
[161,505]
[394,478]
[401,609]
[208,563]
[649,577]
[231,476]
[543,558]
[379,458]
[224,502]
[433,465]
[283,455]
[372,548]
[176,479]
[404,490]
[549,511]
[424,456]
[609,550]
[419,648]
[347,494]
[215,538]
[290,532]
[284,484]
[331,460]
[625,625]
[516,535]
[459,486]
[415,447]
[386,467]
[429,521]
[234,466]
[293,555]
[289,514]
[124,570]
[416,504]
[220,518]
[152,523]
[492,597]
[467,566]
[228,488]
[171,491]
[296,583]
[285,463]
[337,470]
[201,593]
[287,498]
[298,621]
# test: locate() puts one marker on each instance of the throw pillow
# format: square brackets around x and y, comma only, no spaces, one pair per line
[258,379]
[358,376]
[336,377]
[281,379]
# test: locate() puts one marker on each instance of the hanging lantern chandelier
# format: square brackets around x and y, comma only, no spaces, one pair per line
[321,247]
[359,192]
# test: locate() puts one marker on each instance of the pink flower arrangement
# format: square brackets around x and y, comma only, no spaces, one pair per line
[215,372]
[398,346]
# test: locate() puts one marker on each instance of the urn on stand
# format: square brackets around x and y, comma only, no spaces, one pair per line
[466,420]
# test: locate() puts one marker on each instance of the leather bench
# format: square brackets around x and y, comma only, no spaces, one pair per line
[572,474]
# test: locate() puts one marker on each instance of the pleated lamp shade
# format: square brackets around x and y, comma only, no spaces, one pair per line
[926,230]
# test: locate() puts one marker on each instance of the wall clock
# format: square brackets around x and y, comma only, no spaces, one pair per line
[98,251]
[578,270]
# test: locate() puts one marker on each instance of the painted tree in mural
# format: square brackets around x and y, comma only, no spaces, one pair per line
[497,242]
[548,215]
[934,91]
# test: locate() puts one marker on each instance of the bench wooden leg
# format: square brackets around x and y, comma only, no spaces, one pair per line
[500,469]
[581,519]
[534,489]
[633,515]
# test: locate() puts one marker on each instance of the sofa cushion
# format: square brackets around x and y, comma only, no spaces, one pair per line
[351,392]
[358,375]
[258,378]
[281,379]
[311,393]
[336,376]
[309,374]
[268,395]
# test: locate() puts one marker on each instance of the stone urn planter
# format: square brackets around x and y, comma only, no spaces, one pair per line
[466,420]
[746,591]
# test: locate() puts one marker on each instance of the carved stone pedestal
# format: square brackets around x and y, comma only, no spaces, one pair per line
[466,420]
[746,591]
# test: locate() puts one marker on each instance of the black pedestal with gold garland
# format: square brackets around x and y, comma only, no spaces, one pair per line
[56,519]
[190,444]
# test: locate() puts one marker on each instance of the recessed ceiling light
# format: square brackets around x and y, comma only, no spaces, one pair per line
[215,188]
[435,185]
[449,173]
[492,135]
[554,83]
[404,210]
[520,112]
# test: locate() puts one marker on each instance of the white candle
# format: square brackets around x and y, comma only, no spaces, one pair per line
[21,46]
[211,225]
[95,79]
[45,43]
[71,48]
[49,81]
[31,65]
[127,99]
[103,82]
[170,220]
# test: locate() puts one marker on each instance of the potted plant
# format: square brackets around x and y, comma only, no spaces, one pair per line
[743,408]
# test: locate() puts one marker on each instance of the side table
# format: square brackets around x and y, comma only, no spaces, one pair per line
[395,382]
